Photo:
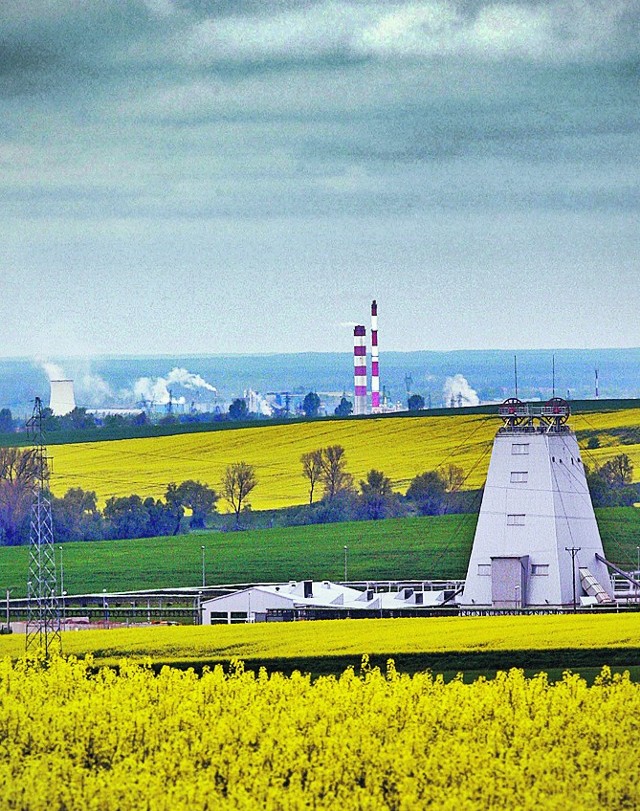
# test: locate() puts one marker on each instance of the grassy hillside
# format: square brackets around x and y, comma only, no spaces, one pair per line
[408,548]
[402,447]
[492,642]
[396,548]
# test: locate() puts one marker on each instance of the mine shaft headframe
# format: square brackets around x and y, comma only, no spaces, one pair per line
[514,412]
[550,416]
[555,412]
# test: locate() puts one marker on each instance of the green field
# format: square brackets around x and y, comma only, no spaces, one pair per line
[444,643]
[391,549]
[405,548]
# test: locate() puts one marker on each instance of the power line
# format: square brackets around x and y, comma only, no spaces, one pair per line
[43,613]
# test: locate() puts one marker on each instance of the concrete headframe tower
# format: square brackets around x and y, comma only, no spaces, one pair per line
[537,543]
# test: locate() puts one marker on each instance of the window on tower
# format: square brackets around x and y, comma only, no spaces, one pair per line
[515,519]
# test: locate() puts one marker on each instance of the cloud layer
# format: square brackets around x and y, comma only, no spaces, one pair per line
[146,144]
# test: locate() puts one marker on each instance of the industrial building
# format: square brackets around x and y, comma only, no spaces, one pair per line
[288,600]
[537,543]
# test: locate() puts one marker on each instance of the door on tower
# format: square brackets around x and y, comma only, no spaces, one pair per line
[509,581]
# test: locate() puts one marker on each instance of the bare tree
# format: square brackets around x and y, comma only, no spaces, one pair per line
[312,469]
[19,474]
[334,474]
[239,480]
[453,477]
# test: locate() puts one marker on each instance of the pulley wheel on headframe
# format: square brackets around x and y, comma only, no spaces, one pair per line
[511,410]
[558,410]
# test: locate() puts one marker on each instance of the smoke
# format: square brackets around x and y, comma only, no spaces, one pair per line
[156,389]
[95,391]
[53,371]
[457,390]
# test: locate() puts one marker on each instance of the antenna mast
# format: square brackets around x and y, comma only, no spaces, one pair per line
[43,612]
[515,372]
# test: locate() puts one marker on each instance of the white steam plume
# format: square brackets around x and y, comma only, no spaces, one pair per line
[53,371]
[94,390]
[458,390]
[156,389]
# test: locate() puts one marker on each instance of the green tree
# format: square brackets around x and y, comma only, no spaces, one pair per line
[610,485]
[311,404]
[141,418]
[78,420]
[312,469]
[195,496]
[127,517]
[427,491]
[415,402]
[6,420]
[238,482]
[344,408]
[377,495]
[618,471]
[238,410]
[76,516]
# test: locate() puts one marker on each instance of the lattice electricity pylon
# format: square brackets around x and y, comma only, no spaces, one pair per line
[43,611]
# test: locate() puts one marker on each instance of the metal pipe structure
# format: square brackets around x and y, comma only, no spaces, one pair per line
[375,361]
[360,370]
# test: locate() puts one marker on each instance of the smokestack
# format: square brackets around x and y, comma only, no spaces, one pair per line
[62,399]
[360,370]
[375,367]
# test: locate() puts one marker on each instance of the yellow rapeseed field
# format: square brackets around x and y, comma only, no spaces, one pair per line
[349,637]
[401,447]
[372,741]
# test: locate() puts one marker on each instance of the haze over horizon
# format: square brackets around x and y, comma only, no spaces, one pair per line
[204,177]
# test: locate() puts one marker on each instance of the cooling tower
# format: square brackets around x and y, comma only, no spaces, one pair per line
[62,397]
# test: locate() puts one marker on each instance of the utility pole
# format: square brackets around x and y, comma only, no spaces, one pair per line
[43,611]
[8,614]
[204,579]
[573,550]
[346,553]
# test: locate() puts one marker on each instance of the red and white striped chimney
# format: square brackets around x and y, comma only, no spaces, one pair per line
[360,370]
[375,362]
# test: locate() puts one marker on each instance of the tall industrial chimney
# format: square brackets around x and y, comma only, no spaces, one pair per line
[62,399]
[375,368]
[360,370]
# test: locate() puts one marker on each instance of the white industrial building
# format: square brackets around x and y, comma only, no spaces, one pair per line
[255,603]
[537,543]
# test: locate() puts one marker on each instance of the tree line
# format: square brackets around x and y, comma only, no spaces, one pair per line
[77,517]
[372,498]
[333,496]
[80,419]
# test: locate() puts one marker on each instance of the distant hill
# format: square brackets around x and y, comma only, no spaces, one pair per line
[487,375]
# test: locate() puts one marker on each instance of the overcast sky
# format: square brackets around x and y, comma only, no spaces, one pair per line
[196,176]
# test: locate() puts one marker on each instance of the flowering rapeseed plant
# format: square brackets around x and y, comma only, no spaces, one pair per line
[72,737]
